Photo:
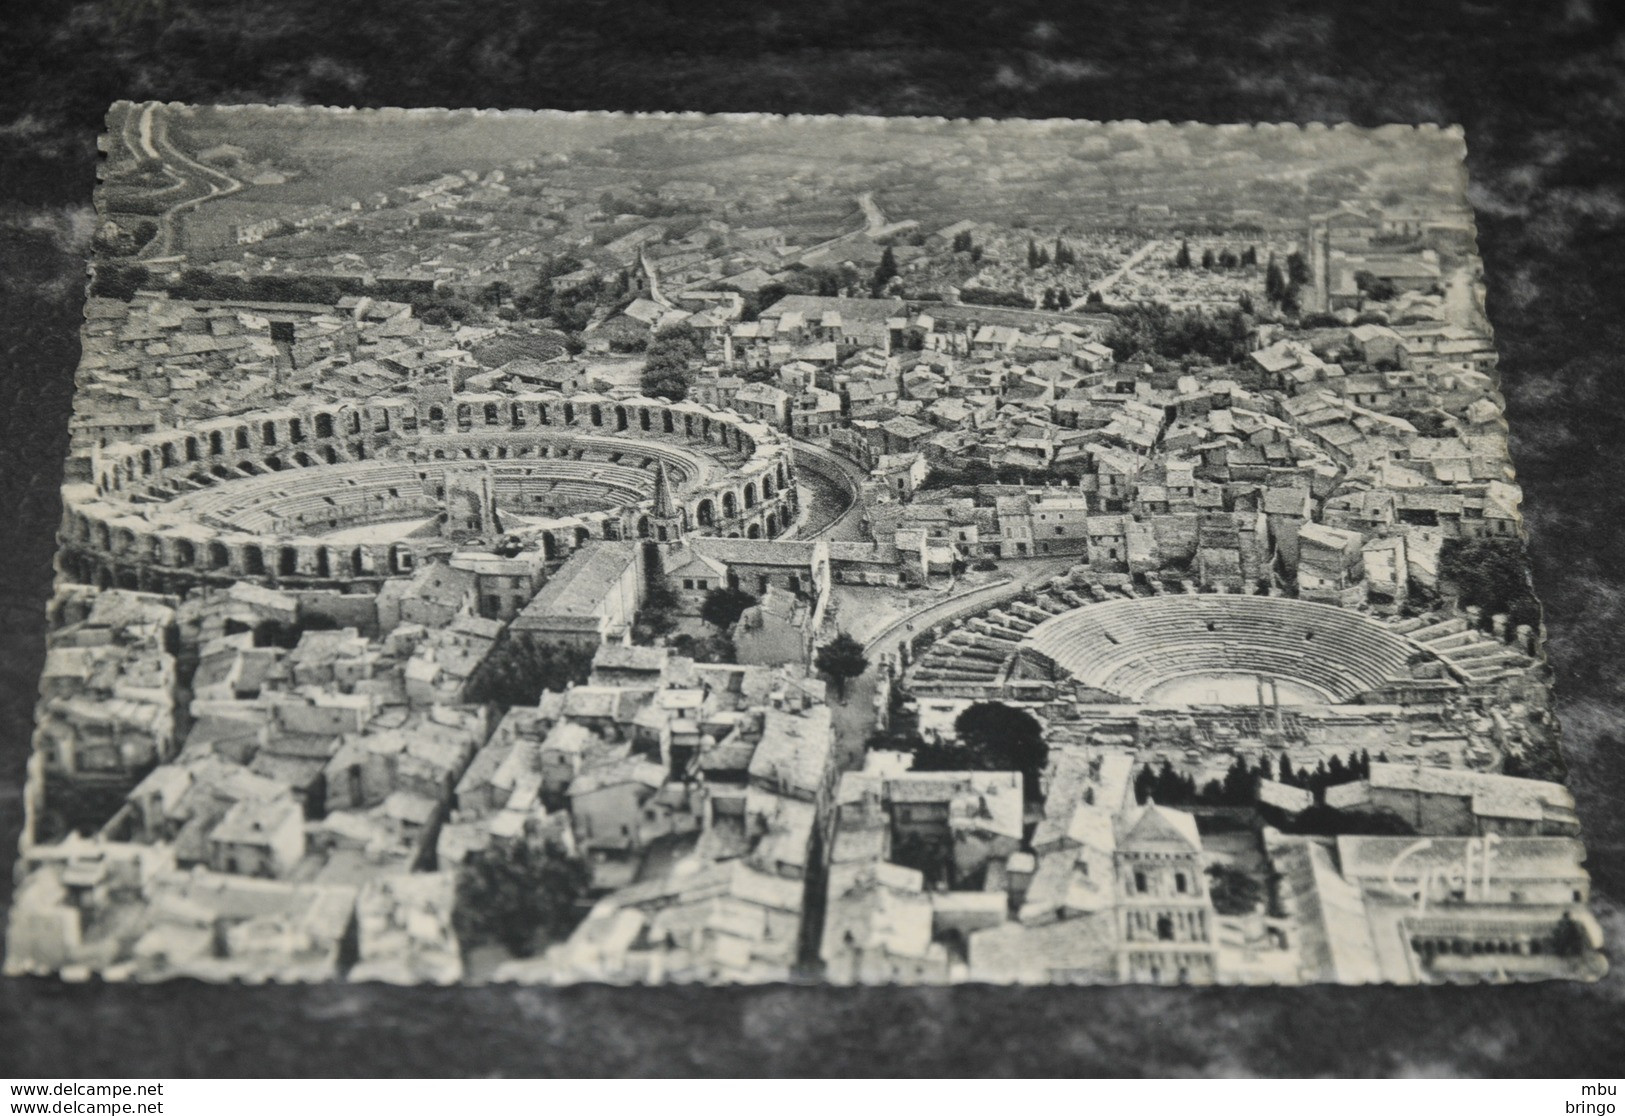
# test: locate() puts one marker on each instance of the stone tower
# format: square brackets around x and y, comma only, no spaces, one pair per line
[471,504]
[1165,931]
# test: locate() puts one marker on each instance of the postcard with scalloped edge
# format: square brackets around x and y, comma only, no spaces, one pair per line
[545,547]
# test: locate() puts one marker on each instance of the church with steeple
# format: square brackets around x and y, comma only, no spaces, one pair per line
[665,519]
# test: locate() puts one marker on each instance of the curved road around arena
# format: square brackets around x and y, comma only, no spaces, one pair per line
[830,483]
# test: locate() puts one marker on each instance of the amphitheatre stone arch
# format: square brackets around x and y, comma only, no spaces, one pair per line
[256,494]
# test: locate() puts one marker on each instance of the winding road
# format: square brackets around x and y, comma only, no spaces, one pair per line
[152,142]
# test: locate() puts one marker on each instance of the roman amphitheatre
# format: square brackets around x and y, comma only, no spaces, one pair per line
[334,494]
[1184,649]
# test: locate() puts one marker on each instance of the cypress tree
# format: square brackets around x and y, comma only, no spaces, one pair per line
[1297,269]
[885,272]
[1274,281]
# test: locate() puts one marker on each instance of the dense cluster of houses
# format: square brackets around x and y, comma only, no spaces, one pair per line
[1379,442]
[312,819]
[934,878]
[331,789]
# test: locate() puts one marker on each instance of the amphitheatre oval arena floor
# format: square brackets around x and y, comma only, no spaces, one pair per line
[388,531]
[1232,688]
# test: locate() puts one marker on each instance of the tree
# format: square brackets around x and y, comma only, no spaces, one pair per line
[1287,776]
[1569,938]
[715,648]
[1182,258]
[681,340]
[1297,269]
[1155,329]
[113,240]
[994,737]
[667,361]
[885,272]
[76,806]
[277,633]
[1323,821]
[1377,290]
[724,605]
[843,659]
[1228,260]
[1274,281]
[1492,574]
[1240,786]
[983,296]
[1209,260]
[1249,256]
[1291,303]
[118,279]
[519,670]
[1032,255]
[931,853]
[657,617]
[1539,760]
[1234,892]
[523,897]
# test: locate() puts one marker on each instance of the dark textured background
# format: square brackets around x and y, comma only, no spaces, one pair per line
[1540,89]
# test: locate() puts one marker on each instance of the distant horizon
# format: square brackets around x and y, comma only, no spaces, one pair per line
[331,153]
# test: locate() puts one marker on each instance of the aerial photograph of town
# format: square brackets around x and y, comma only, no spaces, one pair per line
[552,548]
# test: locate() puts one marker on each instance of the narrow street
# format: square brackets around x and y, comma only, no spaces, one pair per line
[855,719]
[1461,300]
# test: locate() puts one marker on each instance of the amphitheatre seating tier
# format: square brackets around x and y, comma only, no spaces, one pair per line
[1130,647]
[256,503]
[1471,653]
[685,464]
